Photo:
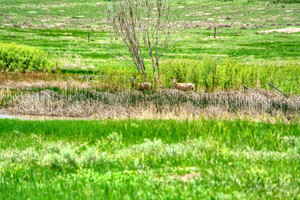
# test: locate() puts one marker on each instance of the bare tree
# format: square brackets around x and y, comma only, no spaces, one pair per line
[142,26]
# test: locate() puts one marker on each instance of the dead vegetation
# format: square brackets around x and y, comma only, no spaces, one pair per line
[42,81]
[164,104]
[41,84]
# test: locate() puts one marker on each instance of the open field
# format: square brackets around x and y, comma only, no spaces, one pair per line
[149,159]
[247,50]
[232,137]
[62,27]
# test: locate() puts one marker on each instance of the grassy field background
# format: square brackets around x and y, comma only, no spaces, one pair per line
[149,159]
[243,52]
[139,157]
[62,27]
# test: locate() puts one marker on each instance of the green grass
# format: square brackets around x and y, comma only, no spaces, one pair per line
[149,159]
[211,75]
[257,58]
[157,159]
[55,27]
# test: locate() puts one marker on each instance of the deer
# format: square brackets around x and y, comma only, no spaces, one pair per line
[69,83]
[140,86]
[182,86]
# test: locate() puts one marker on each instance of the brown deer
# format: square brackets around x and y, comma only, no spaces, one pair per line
[183,86]
[69,83]
[140,86]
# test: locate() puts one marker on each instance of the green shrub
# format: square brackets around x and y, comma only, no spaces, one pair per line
[20,58]
[284,1]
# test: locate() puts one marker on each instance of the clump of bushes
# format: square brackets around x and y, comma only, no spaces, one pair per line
[20,58]
[68,157]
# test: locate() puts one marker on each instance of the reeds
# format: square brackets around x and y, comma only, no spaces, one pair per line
[166,103]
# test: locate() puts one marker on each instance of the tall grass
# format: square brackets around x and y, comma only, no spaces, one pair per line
[234,134]
[163,104]
[211,75]
[148,159]
[207,75]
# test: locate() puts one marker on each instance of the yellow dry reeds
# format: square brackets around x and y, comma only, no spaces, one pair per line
[166,104]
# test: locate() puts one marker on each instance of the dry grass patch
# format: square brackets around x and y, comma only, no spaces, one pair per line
[189,177]
[282,30]
[166,104]
[40,84]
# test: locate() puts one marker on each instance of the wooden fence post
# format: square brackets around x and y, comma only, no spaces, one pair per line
[215,32]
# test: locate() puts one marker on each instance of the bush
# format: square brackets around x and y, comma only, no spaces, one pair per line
[284,1]
[20,58]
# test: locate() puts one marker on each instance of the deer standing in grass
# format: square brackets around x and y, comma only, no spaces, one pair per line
[69,83]
[183,86]
[140,86]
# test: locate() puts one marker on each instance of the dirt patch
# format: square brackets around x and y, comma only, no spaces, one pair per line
[6,117]
[185,178]
[282,30]
[189,177]
[218,38]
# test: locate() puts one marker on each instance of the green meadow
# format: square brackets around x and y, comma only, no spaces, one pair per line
[243,52]
[62,27]
[149,159]
[44,51]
